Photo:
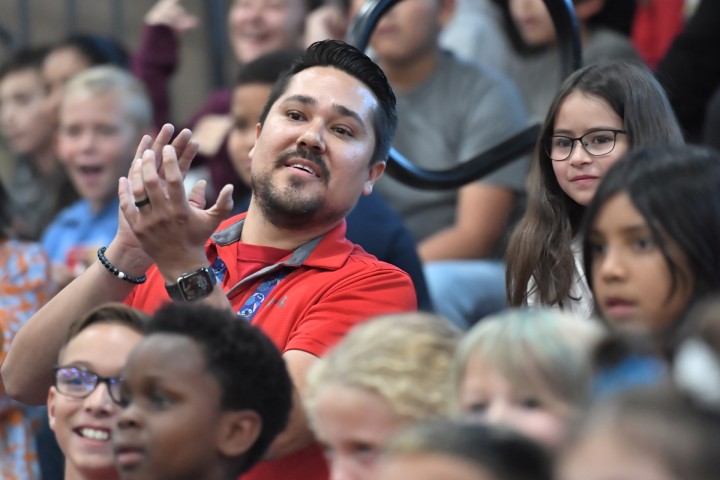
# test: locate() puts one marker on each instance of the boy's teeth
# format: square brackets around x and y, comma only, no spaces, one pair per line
[93,434]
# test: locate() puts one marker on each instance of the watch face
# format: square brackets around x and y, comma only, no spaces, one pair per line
[196,285]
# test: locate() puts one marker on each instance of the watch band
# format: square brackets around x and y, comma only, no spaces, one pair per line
[174,292]
[192,285]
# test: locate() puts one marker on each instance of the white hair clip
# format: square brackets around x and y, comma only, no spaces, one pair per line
[696,371]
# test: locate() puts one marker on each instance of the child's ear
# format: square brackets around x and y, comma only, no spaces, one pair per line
[51,407]
[586,9]
[238,433]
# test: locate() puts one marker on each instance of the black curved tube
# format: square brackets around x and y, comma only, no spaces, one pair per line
[408,173]
[567,33]
[568,37]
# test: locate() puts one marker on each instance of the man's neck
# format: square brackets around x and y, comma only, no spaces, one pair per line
[258,230]
[406,75]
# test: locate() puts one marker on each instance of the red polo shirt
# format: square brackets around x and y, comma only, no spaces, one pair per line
[336,287]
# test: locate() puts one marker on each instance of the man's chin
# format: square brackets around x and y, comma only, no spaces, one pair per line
[289,214]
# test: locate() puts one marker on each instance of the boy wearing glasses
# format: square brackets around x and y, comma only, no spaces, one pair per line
[81,410]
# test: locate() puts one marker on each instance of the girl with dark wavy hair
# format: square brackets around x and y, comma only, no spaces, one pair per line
[599,113]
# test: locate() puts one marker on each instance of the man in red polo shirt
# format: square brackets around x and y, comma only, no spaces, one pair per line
[285,265]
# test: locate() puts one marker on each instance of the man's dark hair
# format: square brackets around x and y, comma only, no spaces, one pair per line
[25,59]
[267,68]
[346,58]
[247,365]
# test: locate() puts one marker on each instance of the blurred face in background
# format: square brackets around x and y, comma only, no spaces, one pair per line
[535,25]
[533,22]
[257,27]
[24,122]
[632,282]
[352,424]
[487,396]
[59,67]
[409,31]
[248,103]
[96,143]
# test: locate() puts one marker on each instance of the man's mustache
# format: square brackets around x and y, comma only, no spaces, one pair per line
[305,155]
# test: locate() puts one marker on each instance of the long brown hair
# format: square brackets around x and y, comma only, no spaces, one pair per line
[540,246]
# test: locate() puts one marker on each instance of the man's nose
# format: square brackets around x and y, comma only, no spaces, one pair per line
[312,138]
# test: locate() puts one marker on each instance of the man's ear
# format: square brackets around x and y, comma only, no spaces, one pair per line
[258,129]
[52,394]
[374,174]
[239,431]
[586,9]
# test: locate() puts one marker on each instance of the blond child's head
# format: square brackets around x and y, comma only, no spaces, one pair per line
[528,369]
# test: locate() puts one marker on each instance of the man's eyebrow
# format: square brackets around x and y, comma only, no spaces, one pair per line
[346,112]
[304,99]
[340,109]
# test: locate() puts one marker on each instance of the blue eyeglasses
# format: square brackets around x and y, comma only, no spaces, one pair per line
[79,382]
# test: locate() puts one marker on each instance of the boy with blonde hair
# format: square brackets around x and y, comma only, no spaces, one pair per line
[103,114]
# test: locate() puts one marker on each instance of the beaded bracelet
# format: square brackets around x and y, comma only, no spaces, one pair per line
[113,269]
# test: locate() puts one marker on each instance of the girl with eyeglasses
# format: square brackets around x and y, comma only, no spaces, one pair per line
[600,112]
[82,406]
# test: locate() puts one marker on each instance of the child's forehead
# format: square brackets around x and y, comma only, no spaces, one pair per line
[255,94]
[92,95]
[166,352]
[111,105]
[26,78]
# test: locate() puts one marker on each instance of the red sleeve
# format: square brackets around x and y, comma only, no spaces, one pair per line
[353,300]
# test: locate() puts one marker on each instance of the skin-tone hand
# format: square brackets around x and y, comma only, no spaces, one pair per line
[185,149]
[171,13]
[324,23]
[27,370]
[173,228]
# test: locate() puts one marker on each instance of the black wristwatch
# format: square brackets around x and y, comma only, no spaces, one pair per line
[192,285]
